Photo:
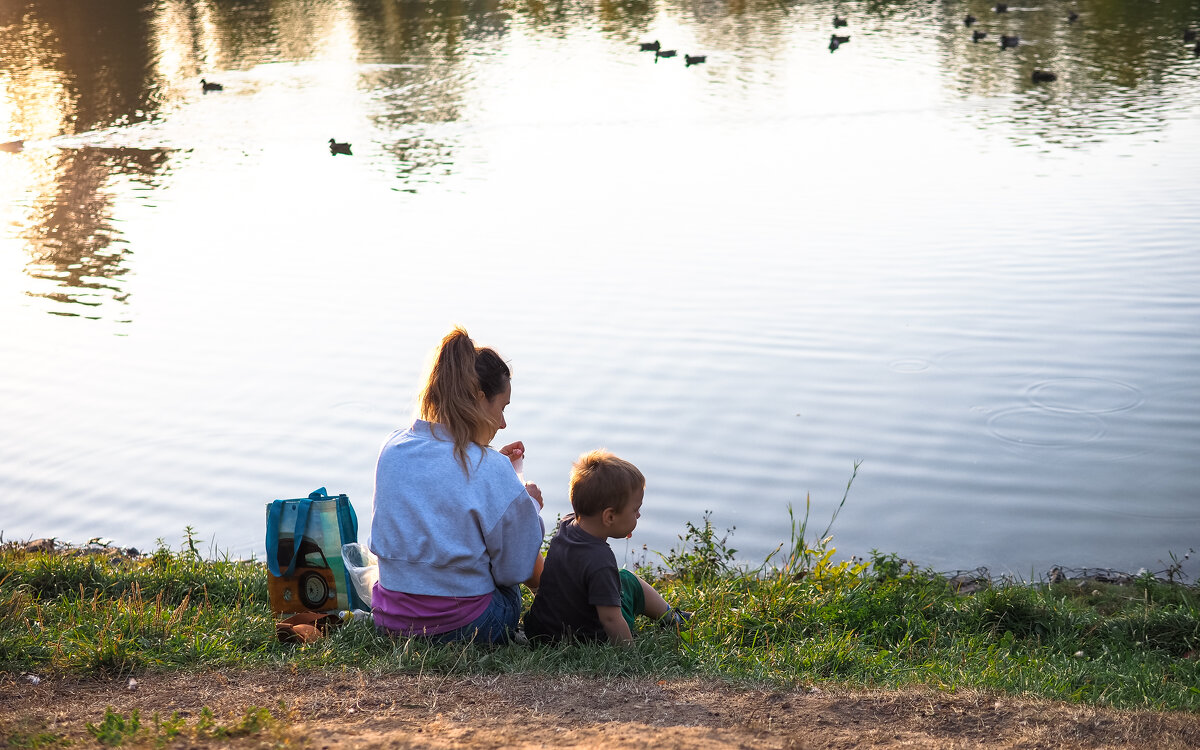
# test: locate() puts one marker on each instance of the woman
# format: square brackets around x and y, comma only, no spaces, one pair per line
[456,532]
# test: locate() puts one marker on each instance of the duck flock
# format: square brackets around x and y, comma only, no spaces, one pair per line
[1007,41]
[1012,41]
[656,48]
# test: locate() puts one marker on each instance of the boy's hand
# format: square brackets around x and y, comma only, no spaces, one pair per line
[535,492]
[614,625]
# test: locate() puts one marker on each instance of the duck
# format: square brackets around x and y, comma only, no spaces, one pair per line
[206,87]
[664,53]
[1072,17]
[970,19]
[1007,41]
[838,21]
[651,46]
[977,35]
[1189,35]
[13,147]
[1001,8]
[339,148]
[690,60]
[836,41]
[1043,76]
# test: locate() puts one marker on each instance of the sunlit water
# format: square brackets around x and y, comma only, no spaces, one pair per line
[744,275]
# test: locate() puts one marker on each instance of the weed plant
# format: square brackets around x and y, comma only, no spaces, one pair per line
[801,617]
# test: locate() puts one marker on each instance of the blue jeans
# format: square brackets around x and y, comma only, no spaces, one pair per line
[495,625]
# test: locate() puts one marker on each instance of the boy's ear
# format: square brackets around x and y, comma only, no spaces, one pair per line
[607,516]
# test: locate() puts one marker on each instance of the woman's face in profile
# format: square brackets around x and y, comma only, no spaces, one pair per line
[494,407]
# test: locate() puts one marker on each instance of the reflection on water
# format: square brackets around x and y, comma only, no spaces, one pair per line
[70,237]
[904,250]
[71,70]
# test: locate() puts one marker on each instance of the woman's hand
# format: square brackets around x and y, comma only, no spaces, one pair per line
[535,492]
[513,451]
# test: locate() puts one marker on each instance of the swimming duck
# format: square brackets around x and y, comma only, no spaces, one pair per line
[1001,8]
[664,53]
[1007,41]
[977,35]
[836,41]
[206,87]
[838,21]
[970,19]
[651,46]
[1189,35]
[690,60]
[1043,76]
[1072,17]
[339,148]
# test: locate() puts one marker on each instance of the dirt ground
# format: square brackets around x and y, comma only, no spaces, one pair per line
[412,711]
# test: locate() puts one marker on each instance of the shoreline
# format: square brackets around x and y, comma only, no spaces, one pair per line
[964,580]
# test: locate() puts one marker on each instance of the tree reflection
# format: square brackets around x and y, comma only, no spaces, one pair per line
[1115,66]
[72,68]
[72,242]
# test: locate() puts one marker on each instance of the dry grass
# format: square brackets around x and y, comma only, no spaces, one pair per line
[356,709]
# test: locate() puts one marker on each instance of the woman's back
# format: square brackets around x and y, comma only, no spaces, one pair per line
[443,531]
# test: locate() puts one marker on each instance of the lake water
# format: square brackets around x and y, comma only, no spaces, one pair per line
[744,275]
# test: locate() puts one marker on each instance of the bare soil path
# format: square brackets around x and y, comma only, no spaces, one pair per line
[352,709]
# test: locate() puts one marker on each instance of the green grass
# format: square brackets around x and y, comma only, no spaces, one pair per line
[800,618]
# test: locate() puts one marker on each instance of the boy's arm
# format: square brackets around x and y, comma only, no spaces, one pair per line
[536,578]
[614,625]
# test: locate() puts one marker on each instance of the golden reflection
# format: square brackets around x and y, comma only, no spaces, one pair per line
[71,242]
[174,43]
[36,104]
[55,203]
[324,31]
[36,98]
[208,36]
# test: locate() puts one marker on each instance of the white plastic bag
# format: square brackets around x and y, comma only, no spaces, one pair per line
[363,568]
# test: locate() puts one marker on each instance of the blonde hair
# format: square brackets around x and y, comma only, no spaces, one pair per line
[459,373]
[600,480]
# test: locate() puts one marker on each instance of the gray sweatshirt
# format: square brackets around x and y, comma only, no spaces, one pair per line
[441,532]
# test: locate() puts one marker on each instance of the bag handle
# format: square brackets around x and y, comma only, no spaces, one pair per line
[273,518]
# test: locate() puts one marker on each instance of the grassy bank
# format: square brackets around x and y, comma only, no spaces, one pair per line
[802,617]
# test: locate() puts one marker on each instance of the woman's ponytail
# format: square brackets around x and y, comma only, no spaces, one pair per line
[460,372]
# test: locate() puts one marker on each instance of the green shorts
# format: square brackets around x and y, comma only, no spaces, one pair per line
[633,601]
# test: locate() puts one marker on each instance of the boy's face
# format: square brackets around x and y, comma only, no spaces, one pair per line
[624,522]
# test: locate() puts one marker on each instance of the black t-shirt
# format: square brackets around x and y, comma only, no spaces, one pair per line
[580,575]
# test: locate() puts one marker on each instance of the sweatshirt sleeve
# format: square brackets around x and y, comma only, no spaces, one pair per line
[514,542]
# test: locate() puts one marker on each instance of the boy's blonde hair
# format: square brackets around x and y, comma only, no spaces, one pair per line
[600,480]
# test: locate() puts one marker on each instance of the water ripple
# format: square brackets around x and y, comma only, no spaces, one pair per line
[1035,427]
[1085,395]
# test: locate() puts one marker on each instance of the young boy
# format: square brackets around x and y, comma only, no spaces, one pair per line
[582,593]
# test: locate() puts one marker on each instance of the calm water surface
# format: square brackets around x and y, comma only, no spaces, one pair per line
[745,275]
